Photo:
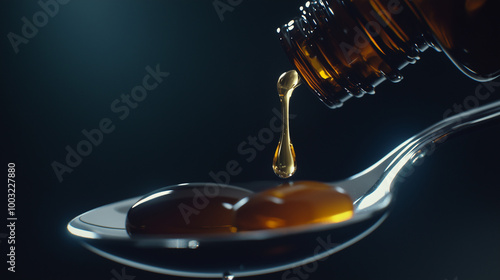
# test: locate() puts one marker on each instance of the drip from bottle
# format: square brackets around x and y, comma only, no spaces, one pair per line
[284,162]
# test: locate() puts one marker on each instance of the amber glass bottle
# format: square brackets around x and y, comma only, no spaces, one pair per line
[345,48]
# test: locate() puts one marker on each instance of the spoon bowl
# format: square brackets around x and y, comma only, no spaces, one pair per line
[210,255]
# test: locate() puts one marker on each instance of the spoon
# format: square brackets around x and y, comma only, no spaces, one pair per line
[102,230]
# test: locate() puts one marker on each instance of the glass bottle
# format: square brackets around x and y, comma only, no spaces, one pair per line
[345,48]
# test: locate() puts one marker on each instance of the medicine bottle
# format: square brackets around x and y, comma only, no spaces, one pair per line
[345,48]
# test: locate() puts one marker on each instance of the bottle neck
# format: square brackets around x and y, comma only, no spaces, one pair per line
[347,48]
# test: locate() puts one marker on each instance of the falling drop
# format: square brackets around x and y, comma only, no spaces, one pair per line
[284,162]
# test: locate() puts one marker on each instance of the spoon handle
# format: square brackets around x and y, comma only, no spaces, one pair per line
[390,168]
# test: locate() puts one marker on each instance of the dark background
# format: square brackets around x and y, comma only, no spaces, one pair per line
[222,89]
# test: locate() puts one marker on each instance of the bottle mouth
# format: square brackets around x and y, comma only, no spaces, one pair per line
[314,41]
[291,33]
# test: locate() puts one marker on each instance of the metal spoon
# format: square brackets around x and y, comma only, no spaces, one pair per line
[102,230]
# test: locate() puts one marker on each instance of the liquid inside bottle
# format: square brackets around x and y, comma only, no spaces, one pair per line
[185,209]
[293,204]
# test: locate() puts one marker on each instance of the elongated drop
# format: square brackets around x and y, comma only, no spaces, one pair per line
[284,162]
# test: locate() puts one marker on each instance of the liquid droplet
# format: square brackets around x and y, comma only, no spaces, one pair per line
[395,77]
[185,209]
[284,162]
[294,204]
